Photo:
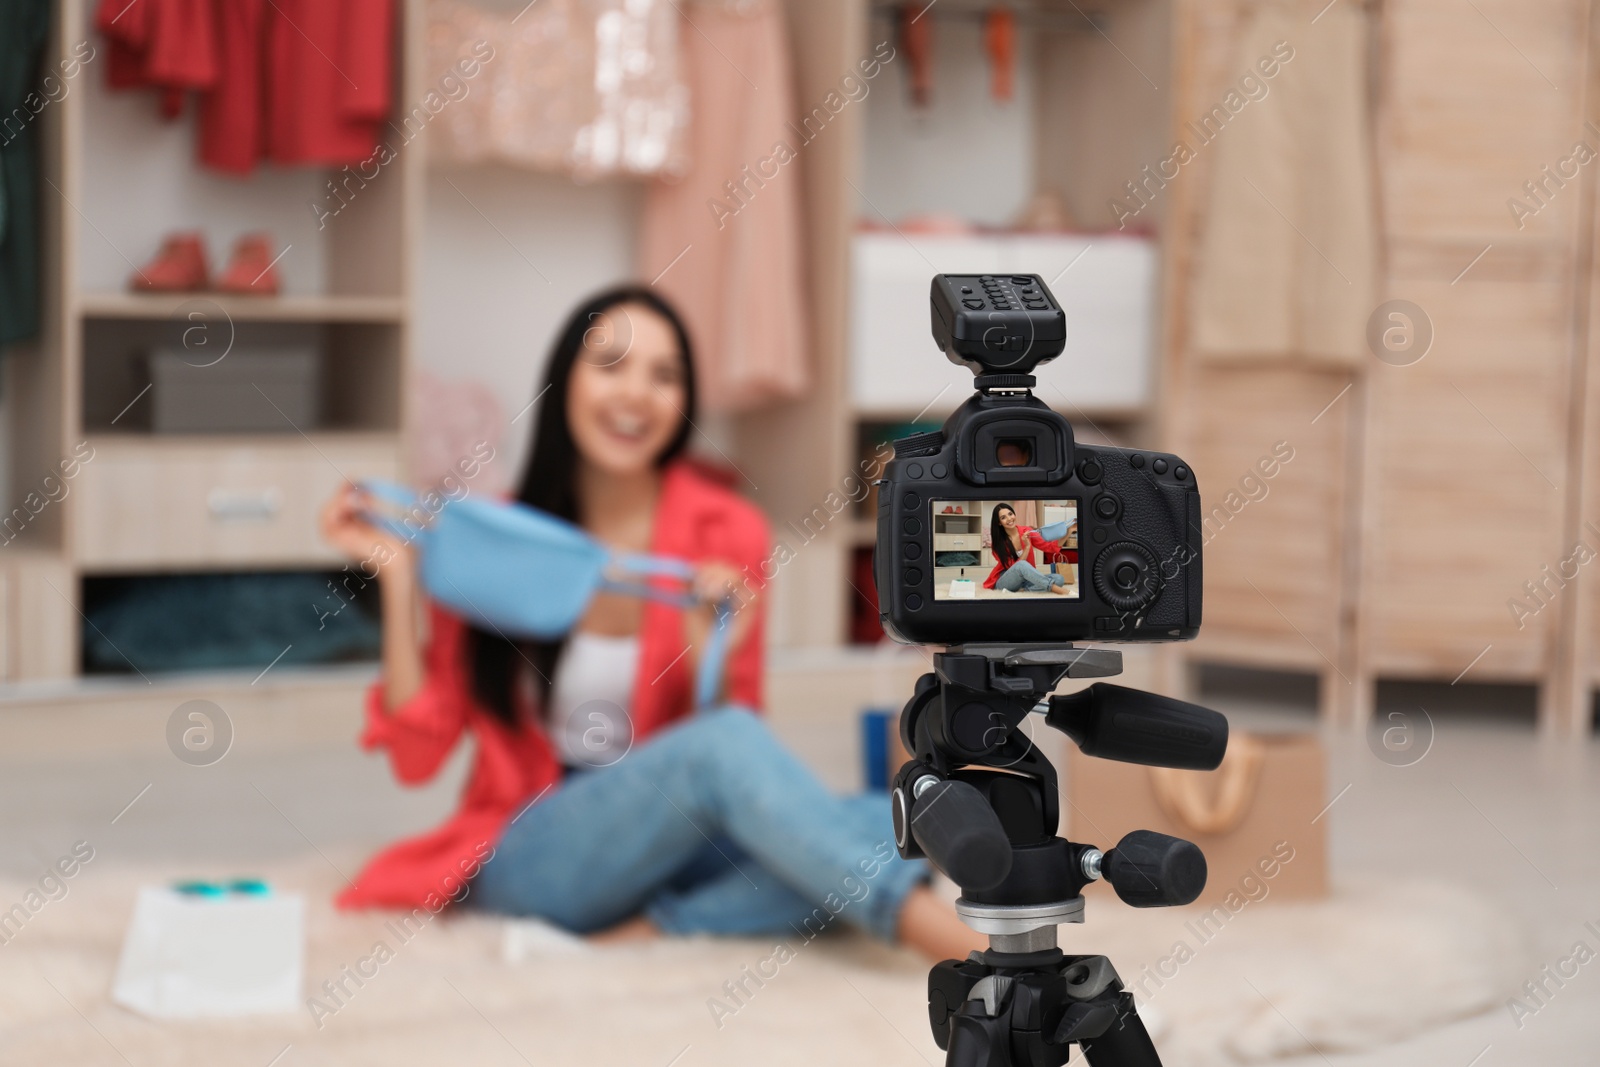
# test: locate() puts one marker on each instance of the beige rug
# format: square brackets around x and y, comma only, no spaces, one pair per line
[1372,965]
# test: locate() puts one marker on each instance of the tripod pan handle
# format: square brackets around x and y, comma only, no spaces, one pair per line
[1151,870]
[958,830]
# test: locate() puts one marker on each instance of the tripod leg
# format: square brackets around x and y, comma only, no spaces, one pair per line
[1125,1044]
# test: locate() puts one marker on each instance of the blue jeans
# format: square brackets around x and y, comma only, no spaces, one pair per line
[1023,575]
[710,826]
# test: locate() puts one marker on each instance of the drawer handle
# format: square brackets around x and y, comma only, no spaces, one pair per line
[244,505]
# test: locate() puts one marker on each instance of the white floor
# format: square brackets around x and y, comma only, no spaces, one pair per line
[1489,806]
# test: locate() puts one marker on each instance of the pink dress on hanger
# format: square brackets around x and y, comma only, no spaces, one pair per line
[731,259]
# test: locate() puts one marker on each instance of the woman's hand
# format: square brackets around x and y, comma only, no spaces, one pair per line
[345,527]
[715,581]
[376,551]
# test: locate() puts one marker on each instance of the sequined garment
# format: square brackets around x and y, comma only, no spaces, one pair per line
[589,88]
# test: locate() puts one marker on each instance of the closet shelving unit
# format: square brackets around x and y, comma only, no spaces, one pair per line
[150,503]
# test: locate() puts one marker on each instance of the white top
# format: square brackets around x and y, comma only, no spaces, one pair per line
[589,697]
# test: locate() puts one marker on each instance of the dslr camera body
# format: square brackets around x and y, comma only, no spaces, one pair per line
[1130,567]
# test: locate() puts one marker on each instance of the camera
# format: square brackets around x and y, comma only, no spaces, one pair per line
[1004,540]
[1001,525]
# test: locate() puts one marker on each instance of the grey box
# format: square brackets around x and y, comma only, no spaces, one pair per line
[256,390]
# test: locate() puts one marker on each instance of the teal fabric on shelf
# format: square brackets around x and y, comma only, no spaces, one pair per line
[24,25]
[187,622]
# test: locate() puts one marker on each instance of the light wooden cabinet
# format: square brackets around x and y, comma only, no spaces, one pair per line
[1425,501]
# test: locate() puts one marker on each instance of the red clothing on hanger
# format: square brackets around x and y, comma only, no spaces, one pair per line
[299,82]
[696,519]
[233,114]
[170,45]
[327,76]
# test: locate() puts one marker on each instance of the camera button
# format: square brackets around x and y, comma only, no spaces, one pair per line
[1136,461]
[914,550]
[1181,473]
[1105,506]
[913,601]
[912,526]
[940,470]
[914,470]
[1090,472]
[1099,537]
[1159,466]
[913,576]
[972,305]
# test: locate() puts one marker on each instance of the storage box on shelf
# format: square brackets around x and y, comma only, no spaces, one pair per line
[330,362]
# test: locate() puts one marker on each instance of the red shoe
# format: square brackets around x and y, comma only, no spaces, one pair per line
[252,270]
[948,510]
[180,267]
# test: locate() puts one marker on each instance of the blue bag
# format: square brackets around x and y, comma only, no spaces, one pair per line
[1054,532]
[522,572]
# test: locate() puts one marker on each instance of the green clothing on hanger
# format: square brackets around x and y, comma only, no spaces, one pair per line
[24,25]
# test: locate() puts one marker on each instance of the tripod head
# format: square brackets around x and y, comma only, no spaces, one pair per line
[981,801]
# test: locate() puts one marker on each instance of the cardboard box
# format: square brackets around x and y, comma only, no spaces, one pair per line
[1252,817]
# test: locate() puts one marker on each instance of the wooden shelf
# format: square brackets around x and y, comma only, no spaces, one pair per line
[157,445]
[310,309]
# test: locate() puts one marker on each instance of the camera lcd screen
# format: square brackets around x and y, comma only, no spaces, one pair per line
[1037,554]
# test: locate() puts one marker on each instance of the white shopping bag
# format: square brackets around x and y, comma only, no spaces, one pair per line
[963,589]
[191,957]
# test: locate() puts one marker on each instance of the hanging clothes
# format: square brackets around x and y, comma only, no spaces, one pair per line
[233,115]
[1000,42]
[294,82]
[24,25]
[1288,266]
[724,242]
[169,45]
[589,88]
[327,77]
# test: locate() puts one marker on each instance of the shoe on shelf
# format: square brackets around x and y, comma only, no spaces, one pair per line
[179,267]
[251,271]
[948,510]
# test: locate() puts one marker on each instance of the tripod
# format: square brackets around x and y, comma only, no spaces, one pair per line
[981,802]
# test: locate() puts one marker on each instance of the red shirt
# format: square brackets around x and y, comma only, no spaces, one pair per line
[695,519]
[1031,536]
[299,82]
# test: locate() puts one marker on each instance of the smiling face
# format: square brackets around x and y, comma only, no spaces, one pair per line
[1008,518]
[628,392]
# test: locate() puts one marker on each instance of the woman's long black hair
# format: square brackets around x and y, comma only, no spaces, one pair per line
[548,484]
[1000,538]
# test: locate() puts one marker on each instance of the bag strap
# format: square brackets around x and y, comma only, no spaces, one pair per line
[398,496]
[708,678]
[1182,794]
[628,574]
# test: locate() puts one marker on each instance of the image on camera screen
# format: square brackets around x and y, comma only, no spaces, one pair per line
[1005,549]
